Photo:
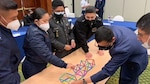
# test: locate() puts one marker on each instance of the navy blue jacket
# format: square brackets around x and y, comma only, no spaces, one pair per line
[126,49]
[99,4]
[37,46]
[9,58]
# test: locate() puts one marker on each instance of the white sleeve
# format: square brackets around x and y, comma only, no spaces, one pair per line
[82,3]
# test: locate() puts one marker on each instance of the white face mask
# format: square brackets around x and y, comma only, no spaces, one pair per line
[45,26]
[145,44]
[59,13]
[13,25]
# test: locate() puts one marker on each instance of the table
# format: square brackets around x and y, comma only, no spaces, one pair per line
[51,74]
[72,20]
[128,24]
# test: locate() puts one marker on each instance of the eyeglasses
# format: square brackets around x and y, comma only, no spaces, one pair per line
[104,47]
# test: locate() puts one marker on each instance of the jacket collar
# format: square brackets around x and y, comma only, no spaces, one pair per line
[5,29]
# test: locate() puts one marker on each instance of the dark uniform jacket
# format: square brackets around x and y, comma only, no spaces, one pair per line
[99,4]
[83,31]
[37,46]
[61,34]
[9,58]
[128,53]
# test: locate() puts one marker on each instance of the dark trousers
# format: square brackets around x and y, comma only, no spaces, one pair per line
[129,73]
[31,68]
[100,13]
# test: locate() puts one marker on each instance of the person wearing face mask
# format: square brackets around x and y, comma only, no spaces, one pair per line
[84,4]
[85,27]
[10,56]
[126,52]
[60,31]
[143,25]
[37,46]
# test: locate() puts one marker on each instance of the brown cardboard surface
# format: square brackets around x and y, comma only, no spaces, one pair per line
[51,74]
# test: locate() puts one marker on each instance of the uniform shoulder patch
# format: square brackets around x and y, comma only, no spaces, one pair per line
[99,19]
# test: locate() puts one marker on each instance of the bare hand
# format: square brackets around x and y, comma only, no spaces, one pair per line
[100,52]
[97,10]
[73,44]
[68,47]
[70,66]
[88,55]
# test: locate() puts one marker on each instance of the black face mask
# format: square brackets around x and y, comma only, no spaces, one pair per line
[105,48]
[90,21]
[60,16]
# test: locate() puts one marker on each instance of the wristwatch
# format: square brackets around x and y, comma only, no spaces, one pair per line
[84,82]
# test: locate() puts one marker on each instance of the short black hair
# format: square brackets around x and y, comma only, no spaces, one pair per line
[90,9]
[8,5]
[104,34]
[144,23]
[57,3]
[38,13]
